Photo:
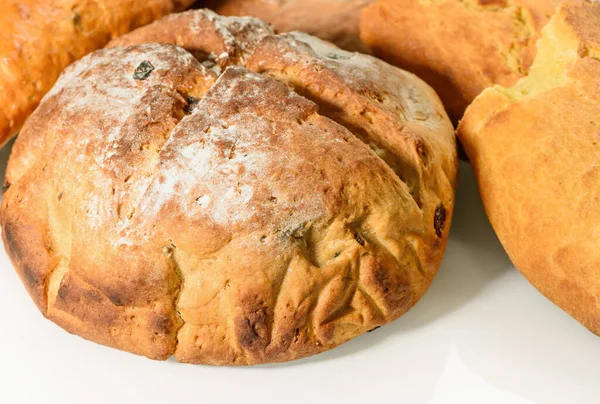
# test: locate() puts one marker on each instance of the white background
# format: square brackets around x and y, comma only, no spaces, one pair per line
[480,335]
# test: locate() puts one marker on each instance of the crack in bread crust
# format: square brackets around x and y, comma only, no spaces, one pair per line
[213,247]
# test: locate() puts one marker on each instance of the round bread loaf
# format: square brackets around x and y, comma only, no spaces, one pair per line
[535,151]
[39,38]
[239,198]
[336,21]
[459,47]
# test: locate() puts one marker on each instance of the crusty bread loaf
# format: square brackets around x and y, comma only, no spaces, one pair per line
[39,38]
[336,21]
[459,47]
[535,150]
[266,200]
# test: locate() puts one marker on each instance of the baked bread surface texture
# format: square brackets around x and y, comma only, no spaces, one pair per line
[535,150]
[39,38]
[336,21]
[459,47]
[229,196]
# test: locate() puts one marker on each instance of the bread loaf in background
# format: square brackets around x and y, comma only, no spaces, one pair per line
[535,150]
[459,47]
[39,38]
[258,198]
[336,21]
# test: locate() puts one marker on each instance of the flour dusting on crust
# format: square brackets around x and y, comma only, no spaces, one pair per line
[219,166]
[365,73]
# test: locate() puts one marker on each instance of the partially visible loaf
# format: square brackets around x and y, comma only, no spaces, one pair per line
[39,38]
[258,198]
[336,21]
[459,47]
[535,150]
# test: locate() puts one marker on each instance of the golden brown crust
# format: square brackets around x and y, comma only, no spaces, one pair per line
[459,47]
[336,21]
[39,38]
[199,34]
[211,212]
[535,153]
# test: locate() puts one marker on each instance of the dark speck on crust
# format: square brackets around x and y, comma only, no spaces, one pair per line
[439,220]
[143,70]
[191,104]
[359,239]
[115,299]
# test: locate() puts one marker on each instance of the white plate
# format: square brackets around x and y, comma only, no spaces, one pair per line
[480,335]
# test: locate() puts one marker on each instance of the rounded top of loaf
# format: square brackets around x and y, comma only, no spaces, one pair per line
[460,47]
[533,148]
[229,196]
